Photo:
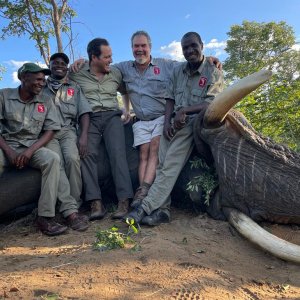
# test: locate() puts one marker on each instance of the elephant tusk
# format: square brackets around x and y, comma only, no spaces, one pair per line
[218,109]
[257,235]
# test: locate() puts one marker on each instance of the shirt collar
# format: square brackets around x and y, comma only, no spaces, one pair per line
[199,70]
[14,95]
[151,63]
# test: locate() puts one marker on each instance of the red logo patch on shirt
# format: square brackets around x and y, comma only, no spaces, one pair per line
[41,108]
[202,81]
[70,92]
[156,70]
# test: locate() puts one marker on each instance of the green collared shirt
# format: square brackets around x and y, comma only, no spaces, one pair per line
[69,101]
[101,94]
[188,88]
[21,123]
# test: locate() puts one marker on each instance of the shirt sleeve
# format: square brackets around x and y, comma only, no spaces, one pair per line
[217,86]
[170,86]
[83,105]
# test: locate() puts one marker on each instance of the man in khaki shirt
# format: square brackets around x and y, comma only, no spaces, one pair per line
[100,84]
[27,123]
[72,108]
[193,86]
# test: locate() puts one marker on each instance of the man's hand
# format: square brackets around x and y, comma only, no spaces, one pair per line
[12,156]
[168,131]
[24,158]
[83,145]
[126,117]
[179,119]
[215,61]
[77,65]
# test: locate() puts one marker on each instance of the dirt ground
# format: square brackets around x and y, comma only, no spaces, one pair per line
[193,257]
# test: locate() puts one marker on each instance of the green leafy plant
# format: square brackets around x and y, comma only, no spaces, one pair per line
[112,238]
[207,180]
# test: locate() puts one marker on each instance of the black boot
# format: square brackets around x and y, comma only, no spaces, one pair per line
[137,215]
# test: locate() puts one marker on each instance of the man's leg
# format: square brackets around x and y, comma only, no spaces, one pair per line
[68,204]
[144,150]
[114,139]
[89,167]
[172,157]
[68,144]
[49,163]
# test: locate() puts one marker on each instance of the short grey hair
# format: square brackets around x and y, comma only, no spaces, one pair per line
[144,33]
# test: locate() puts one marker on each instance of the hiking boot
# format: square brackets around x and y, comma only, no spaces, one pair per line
[97,210]
[137,215]
[77,222]
[156,218]
[49,227]
[140,194]
[122,209]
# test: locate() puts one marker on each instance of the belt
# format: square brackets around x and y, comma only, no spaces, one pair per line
[136,119]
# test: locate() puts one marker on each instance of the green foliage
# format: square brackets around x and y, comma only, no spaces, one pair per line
[39,19]
[207,181]
[114,239]
[272,109]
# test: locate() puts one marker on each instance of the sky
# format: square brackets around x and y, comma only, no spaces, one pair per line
[165,21]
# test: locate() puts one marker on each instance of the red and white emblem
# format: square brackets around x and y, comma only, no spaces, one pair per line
[70,92]
[156,70]
[41,108]
[202,81]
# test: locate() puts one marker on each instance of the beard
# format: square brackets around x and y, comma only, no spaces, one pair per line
[141,60]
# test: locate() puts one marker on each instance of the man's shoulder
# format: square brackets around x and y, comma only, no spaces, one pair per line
[114,71]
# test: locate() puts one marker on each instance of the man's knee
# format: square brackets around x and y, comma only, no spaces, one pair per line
[72,159]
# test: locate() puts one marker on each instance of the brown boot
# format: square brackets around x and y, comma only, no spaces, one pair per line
[140,194]
[77,222]
[122,209]
[97,210]
[49,227]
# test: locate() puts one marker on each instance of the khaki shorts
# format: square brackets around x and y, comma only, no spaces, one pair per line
[145,131]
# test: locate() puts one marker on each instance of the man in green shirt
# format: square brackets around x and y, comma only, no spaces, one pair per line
[100,84]
[27,123]
[72,108]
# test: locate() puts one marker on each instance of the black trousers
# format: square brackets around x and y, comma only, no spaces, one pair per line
[108,127]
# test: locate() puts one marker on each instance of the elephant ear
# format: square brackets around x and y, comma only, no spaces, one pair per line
[218,109]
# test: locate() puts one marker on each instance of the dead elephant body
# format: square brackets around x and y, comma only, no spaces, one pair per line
[256,177]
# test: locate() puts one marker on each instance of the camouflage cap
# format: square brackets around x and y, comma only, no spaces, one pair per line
[32,68]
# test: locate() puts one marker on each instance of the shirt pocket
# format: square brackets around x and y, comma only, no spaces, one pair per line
[37,122]
[14,121]
[197,95]
[157,87]
[68,108]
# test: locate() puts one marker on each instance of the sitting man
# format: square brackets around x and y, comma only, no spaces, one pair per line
[192,87]
[72,107]
[100,84]
[27,123]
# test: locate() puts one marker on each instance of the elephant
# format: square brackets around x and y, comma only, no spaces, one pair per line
[258,179]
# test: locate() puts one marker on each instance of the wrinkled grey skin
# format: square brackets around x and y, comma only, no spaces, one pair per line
[256,176]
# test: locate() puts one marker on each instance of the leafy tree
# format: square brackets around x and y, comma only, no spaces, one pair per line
[40,19]
[274,108]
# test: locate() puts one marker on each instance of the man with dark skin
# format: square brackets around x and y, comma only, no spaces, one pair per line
[27,123]
[193,85]
[72,107]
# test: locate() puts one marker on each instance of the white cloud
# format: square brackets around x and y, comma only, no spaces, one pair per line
[173,50]
[214,47]
[15,65]
[187,16]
